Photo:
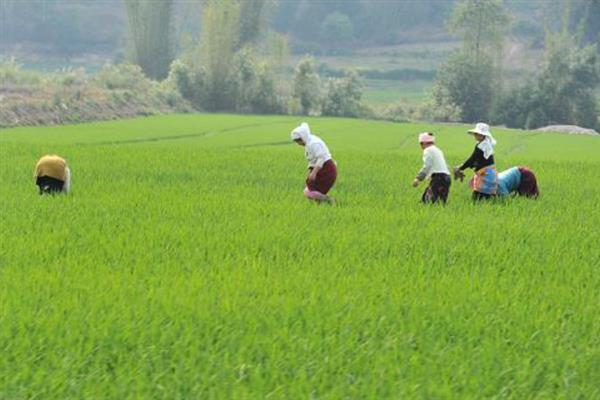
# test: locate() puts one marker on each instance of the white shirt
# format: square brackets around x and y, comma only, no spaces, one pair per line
[316,152]
[67,184]
[433,163]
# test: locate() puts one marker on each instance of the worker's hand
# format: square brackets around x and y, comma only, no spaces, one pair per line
[415,182]
[458,174]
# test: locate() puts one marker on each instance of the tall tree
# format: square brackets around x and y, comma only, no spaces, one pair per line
[562,93]
[151,33]
[466,81]
[467,84]
[307,86]
[232,32]
[254,19]
[481,24]
[220,38]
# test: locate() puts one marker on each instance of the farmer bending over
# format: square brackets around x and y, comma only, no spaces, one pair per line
[52,175]
[485,181]
[322,170]
[434,166]
[518,180]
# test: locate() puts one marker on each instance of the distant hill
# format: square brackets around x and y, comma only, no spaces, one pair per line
[65,29]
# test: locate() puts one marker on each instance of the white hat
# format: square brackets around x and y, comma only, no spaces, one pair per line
[301,132]
[488,143]
[482,129]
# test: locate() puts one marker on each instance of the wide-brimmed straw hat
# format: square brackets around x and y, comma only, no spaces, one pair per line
[482,129]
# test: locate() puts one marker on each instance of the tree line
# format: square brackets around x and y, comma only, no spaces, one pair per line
[235,61]
[471,87]
[231,66]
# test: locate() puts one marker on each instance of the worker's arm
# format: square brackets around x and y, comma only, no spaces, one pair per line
[426,169]
[470,162]
[313,173]
[67,184]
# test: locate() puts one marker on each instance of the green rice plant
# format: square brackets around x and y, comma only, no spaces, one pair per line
[187,264]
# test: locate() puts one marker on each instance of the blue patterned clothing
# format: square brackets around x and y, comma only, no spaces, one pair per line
[509,181]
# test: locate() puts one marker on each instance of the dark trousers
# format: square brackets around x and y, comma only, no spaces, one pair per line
[49,185]
[438,189]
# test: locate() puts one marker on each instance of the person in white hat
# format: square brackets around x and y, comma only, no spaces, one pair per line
[485,181]
[52,175]
[322,170]
[434,166]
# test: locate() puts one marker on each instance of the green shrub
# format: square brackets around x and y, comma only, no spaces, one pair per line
[439,109]
[343,98]
[266,99]
[397,112]
[465,85]
[71,77]
[56,100]
[563,93]
[180,76]
[12,74]
[255,88]
[336,30]
[307,88]
[191,83]
[122,76]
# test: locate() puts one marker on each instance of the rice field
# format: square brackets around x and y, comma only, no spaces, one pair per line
[187,264]
[381,91]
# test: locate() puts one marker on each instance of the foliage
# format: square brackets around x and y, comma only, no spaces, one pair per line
[255,86]
[151,33]
[69,96]
[276,47]
[187,264]
[254,19]
[586,15]
[220,39]
[343,97]
[360,22]
[67,28]
[251,83]
[11,73]
[224,71]
[337,30]
[467,85]
[181,76]
[439,108]
[307,87]
[469,81]
[481,25]
[563,93]
[121,76]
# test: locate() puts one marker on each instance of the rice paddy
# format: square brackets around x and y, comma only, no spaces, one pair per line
[187,264]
